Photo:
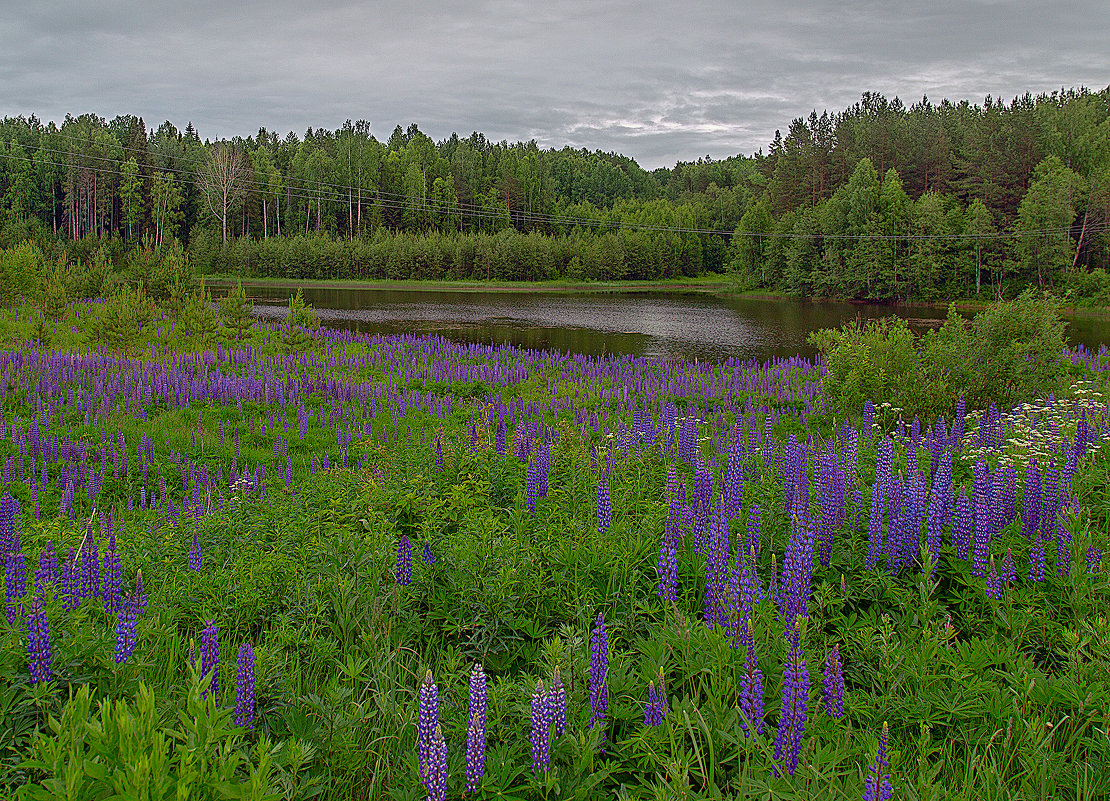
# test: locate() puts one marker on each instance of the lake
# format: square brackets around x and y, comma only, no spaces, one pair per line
[650,324]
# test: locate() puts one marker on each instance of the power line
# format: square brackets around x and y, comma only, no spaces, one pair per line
[392,200]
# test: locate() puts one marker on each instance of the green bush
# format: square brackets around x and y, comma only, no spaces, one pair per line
[300,324]
[878,361]
[1009,353]
[236,312]
[123,749]
[120,320]
[198,317]
[20,268]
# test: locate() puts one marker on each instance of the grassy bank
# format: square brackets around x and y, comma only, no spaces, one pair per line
[713,284]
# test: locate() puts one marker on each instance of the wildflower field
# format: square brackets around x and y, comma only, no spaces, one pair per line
[405,568]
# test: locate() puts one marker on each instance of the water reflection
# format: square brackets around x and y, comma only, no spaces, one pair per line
[687,325]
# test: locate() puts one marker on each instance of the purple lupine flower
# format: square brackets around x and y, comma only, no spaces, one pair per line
[38,642]
[196,557]
[436,783]
[428,555]
[557,703]
[427,725]
[476,729]
[9,511]
[1063,548]
[604,507]
[90,568]
[404,563]
[702,500]
[111,577]
[833,686]
[661,695]
[962,525]
[666,564]
[1094,560]
[1031,512]
[751,690]
[1050,502]
[875,526]
[753,529]
[210,660]
[244,687]
[1036,561]
[795,705]
[1009,572]
[773,587]
[47,572]
[994,583]
[878,780]
[599,674]
[797,570]
[126,620]
[541,730]
[716,573]
[940,510]
[15,583]
[652,713]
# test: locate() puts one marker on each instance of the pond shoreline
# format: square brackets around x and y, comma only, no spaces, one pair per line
[719,286]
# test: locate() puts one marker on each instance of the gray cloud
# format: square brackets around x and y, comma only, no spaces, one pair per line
[657,81]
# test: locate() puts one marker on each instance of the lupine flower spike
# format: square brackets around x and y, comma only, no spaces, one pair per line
[557,702]
[436,783]
[833,689]
[244,687]
[404,562]
[126,621]
[652,716]
[210,660]
[795,705]
[541,730]
[878,781]
[661,691]
[427,725]
[476,730]
[751,690]
[38,642]
[599,673]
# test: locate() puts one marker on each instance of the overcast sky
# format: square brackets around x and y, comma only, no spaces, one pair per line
[657,81]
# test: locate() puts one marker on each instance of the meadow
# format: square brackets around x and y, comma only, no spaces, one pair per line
[328,565]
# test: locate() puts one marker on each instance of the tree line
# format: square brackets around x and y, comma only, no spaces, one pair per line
[878,201]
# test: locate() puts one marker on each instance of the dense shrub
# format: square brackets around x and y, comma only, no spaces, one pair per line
[20,267]
[118,321]
[1009,353]
[878,361]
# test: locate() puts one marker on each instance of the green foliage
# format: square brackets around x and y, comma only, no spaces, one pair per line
[58,289]
[122,749]
[1011,352]
[20,269]
[878,361]
[236,312]
[300,324]
[119,321]
[164,271]
[199,318]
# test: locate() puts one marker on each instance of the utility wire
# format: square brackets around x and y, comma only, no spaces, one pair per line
[391,200]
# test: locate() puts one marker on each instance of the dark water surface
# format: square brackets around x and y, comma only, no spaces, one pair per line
[650,324]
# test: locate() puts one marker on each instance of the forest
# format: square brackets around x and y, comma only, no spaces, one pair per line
[880,201]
